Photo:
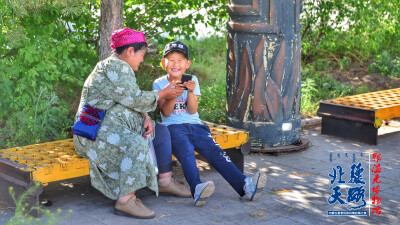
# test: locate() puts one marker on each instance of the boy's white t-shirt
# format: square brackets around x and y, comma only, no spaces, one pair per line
[180,114]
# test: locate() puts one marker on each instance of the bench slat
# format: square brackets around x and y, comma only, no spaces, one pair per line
[359,117]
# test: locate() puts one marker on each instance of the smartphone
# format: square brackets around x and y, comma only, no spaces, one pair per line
[186,78]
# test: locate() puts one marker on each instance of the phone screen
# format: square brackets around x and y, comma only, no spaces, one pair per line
[186,78]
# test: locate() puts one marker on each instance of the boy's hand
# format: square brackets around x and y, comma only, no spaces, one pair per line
[190,85]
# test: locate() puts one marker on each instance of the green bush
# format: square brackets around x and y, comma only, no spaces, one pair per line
[43,120]
[209,65]
[46,52]
[386,65]
[358,30]
[317,87]
[212,103]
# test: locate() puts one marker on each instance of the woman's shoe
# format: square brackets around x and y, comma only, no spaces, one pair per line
[175,188]
[133,208]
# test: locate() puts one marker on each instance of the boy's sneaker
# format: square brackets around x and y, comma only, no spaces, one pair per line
[203,191]
[254,185]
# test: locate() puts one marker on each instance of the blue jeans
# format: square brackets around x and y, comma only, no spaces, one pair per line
[162,147]
[185,138]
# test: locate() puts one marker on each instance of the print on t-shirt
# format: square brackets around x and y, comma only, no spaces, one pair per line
[180,107]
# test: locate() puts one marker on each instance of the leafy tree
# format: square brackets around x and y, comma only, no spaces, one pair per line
[44,45]
[356,29]
[53,45]
[174,17]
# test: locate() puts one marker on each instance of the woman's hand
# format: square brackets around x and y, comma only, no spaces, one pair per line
[179,85]
[171,93]
[148,125]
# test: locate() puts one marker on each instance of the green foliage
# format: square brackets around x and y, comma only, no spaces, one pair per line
[21,215]
[386,65]
[316,87]
[344,63]
[174,18]
[339,33]
[356,29]
[40,122]
[209,65]
[212,103]
[46,50]
[208,57]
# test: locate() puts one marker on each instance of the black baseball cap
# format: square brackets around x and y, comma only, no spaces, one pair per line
[176,46]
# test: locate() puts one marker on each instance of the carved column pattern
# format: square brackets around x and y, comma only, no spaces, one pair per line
[263,69]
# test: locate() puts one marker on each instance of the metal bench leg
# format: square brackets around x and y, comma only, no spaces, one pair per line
[236,155]
[11,176]
[350,129]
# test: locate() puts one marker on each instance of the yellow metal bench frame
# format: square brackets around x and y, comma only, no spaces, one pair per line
[57,160]
[359,117]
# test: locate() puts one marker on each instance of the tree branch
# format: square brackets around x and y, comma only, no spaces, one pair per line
[12,52]
[2,22]
[155,3]
[305,30]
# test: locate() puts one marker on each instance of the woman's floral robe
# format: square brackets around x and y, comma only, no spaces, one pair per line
[119,159]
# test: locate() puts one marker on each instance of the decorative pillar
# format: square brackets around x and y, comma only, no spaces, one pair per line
[263,70]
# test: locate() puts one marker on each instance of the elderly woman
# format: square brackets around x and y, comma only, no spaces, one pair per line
[119,157]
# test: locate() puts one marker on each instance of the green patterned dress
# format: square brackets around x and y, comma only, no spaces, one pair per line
[119,159]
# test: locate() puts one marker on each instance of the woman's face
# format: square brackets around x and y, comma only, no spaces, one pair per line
[134,58]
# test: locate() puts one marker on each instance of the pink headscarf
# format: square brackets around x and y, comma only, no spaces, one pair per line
[126,36]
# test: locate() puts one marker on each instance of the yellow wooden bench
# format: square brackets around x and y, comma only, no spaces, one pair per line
[57,160]
[359,117]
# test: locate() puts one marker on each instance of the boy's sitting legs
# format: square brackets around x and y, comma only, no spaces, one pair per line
[209,149]
[183,150]
[187,137]
[212,152]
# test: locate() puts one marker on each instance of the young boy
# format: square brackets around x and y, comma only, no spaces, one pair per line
[188,133]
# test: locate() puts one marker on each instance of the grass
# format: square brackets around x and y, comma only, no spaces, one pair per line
[317,87]
[21,214]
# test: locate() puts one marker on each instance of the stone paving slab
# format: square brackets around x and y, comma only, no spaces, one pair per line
[297,190]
